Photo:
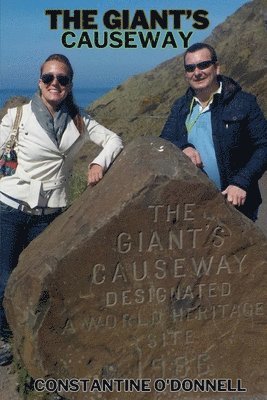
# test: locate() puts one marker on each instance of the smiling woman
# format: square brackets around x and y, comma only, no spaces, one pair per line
[51,132]
[55,84]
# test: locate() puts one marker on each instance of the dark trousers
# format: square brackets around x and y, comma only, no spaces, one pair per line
[17,230]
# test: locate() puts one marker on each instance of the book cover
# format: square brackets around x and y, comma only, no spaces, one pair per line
[128,66]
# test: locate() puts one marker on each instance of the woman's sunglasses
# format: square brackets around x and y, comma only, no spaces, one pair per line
[202,65]
[63,80]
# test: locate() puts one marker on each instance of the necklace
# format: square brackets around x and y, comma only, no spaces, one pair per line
[190,124]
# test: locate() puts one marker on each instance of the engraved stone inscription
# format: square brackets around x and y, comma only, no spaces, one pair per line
[162,264]
[150,275]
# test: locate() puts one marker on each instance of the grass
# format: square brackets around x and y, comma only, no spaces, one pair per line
[77,185]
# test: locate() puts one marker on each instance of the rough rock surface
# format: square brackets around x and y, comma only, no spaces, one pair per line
[149,274]
[8,384]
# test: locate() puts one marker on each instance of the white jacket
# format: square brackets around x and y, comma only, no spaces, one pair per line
[43,171]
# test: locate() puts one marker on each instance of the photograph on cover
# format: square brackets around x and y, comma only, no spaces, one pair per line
[133,200]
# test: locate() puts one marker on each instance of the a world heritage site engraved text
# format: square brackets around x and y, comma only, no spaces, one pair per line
[150,280]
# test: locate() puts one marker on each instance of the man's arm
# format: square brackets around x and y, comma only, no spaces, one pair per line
[176,135]
[236,192]
[257,164]
[173,128]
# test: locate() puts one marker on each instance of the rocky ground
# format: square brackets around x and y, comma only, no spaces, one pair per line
[262,220]
[8,384]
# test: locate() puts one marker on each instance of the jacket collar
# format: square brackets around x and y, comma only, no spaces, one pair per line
[69,137]
[229,89]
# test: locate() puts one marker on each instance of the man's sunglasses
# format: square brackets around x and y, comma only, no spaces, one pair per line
[63,80]
[202,65]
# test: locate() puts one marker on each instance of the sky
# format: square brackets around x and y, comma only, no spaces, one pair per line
[26,39]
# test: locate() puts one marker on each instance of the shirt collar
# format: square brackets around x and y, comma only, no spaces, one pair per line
[218,91]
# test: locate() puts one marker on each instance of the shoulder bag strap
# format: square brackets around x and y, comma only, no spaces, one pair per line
[15,129]
[11,140]
[17,121]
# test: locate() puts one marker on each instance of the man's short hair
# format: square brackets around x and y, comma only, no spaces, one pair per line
[200,46]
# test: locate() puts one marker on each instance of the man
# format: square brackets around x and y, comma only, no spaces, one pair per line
[221,129]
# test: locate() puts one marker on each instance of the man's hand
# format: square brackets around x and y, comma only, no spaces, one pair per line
[95,174]
[194,156]
[235,195]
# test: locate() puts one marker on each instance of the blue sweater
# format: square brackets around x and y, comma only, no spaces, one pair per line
[239,132]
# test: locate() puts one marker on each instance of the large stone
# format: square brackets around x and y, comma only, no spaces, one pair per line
[148,275]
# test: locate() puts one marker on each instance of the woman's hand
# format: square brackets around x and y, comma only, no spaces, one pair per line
[95,174]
